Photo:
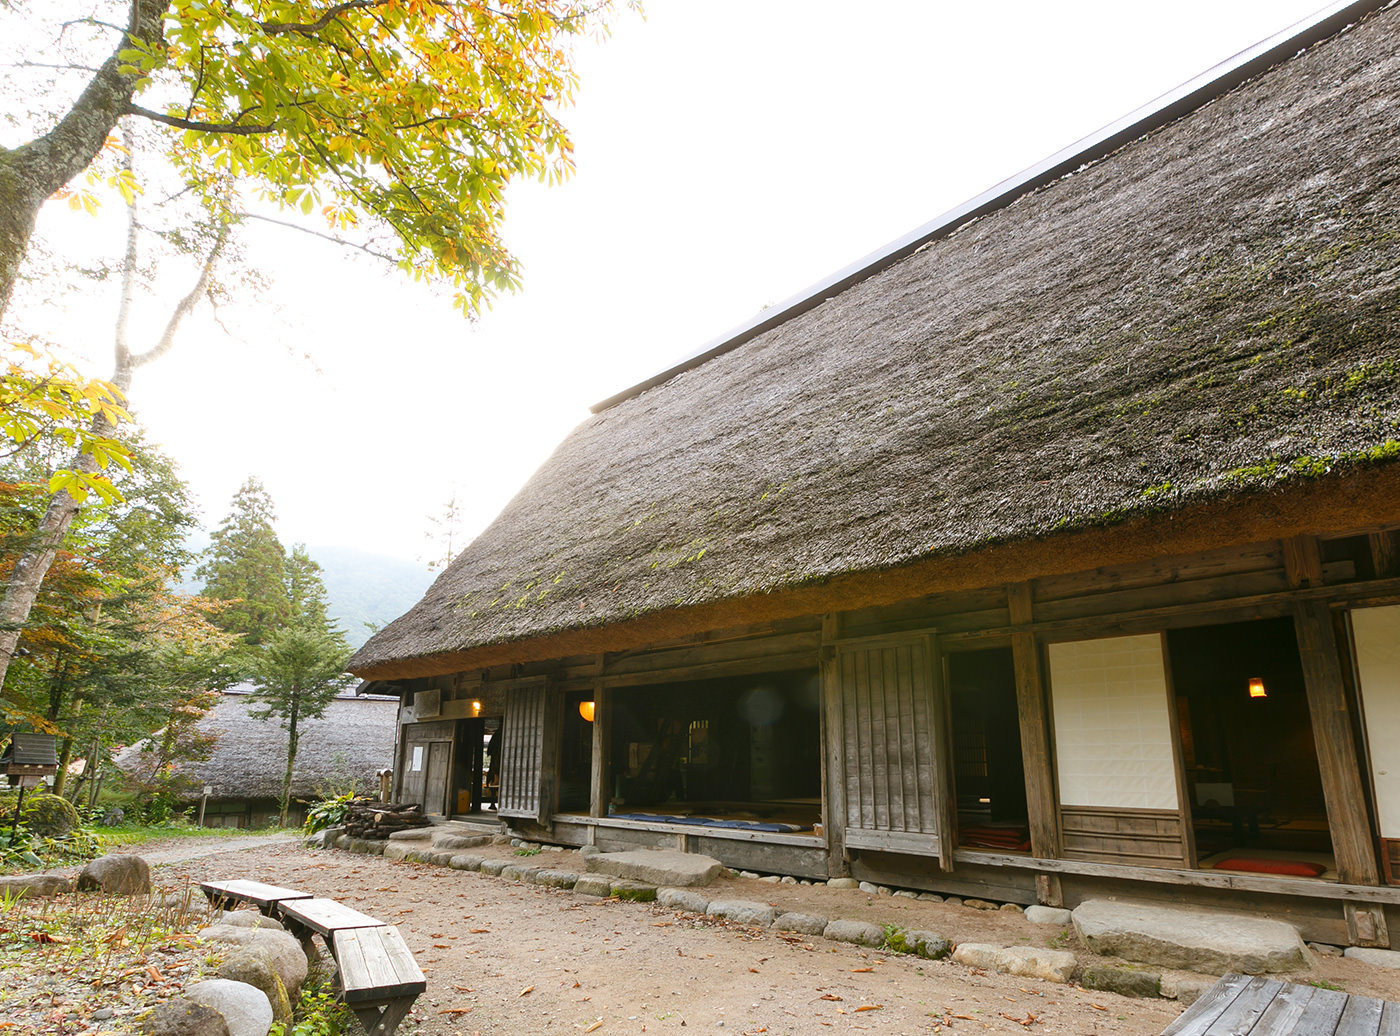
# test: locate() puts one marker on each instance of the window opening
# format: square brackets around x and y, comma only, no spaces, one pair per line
[1254,788]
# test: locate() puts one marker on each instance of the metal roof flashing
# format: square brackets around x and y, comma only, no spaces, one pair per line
[1157,113]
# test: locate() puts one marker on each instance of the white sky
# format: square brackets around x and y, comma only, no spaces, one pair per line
[730,152]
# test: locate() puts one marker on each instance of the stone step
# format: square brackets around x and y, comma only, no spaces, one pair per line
[657,867]
[1189,940]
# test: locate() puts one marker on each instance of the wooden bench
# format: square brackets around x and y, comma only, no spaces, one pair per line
[265,897]
[1240,1004]
[379,979]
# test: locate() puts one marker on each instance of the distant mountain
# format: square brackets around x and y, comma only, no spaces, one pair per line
[362,586]
[365,587]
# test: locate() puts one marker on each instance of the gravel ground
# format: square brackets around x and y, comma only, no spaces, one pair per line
[508,958]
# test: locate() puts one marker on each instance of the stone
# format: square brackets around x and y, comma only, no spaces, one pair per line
[322,839]
[182,1017]
[120,875]
[593,885]
[927,944]
[50,816]
[954,901]
[842,883]
[1038,914]
[114,817]
[1025,961]
[102,1014]
[749,874]
[465,862]
[742,911]
[257,971]
[805,924]
[1372,955]
[398,850]
[1189,940]
[930,897]
[1323,949]
[657,867]
[589,850]
[282,950]
[438,859]
[979,904]
[244,1007]
[870,887]
[788,879]
[862,933]
[682,899]
[519,872]
[412,834]
[1186,988]
[367,846]
[906,894]
[445,842]
[251,919]
[556,879]
[501,839]
[494,867]
[772,879]
[38,886]
[633,891]
[1011,908]
[1123,981]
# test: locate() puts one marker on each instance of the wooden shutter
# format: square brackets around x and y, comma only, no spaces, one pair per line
[530,744]
[889,722]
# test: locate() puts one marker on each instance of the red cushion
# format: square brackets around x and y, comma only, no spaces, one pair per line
[1300,868]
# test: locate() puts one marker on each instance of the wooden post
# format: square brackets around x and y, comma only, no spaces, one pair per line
[600,794]
[1385,554]
[1036,755]
[833,759]
[1337,757]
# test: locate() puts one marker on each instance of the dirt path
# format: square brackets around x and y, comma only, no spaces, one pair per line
[506,958]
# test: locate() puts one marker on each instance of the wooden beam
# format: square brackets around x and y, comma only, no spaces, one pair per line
[834,762]
[1302,561]
[1337,758]
[1033,716]
[599,793]
[1385,553]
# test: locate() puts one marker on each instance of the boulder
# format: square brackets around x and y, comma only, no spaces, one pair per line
[682,899]
[1123,981]
[657,867]
[254,969]
[464,862]
[1026,961]
[282,950]
[803,924]
[251,919]
[1048,915]
[862,933]
[741,911]
[182,1017]
[1372,955]
[50,816]
[122,875]
[591,884]
[927,944]
[40,886]
[244,1007]
[1190,940]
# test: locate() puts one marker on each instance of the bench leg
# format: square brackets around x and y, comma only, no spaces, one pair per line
[382,1020]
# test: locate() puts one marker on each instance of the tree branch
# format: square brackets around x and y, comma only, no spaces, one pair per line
[311,28]
[202,127]
[324,237]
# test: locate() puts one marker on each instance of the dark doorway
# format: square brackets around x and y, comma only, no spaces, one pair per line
[1253,785]
[746,749]
[988,772]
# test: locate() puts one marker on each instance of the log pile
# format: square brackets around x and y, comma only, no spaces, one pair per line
[381,819]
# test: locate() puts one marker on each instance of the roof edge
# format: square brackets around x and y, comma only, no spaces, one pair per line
[1153,115]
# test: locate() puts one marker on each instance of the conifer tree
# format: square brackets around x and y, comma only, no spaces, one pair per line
[246,565]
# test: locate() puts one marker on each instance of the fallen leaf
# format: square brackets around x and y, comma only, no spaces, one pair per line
[525,992]
[454,1011]
[754,970]
[595,1025]
[45,937]
[441,946]
[154,973]
[480,931]
[862,969]
[1098,1007]
[464,989]
[869,1007]
[831,996]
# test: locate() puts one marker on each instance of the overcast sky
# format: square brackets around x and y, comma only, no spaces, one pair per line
[729,154]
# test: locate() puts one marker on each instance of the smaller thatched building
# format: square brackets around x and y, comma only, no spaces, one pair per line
[341,751]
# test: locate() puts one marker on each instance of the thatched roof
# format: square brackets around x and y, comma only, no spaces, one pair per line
[350,742]
[1205,315]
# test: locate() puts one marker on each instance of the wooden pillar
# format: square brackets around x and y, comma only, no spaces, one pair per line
[600,794]
[1036,757]
[1385,554]
[833,754]
[1337,756]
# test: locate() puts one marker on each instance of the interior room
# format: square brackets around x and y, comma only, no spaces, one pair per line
[739,752]
[988,772]
[1252,779]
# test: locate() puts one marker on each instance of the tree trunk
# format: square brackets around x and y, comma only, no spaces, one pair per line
[31,173]
[291,756]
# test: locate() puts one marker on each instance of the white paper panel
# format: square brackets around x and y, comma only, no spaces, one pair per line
[1113,736]
[1377,632]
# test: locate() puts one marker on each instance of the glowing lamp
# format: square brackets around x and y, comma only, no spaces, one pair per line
[1256,688]
[476,708]
[585,709]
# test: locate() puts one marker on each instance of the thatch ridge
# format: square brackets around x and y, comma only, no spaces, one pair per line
[345,746]
[1210,312]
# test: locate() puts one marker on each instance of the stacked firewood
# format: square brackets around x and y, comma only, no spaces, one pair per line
[381,819]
